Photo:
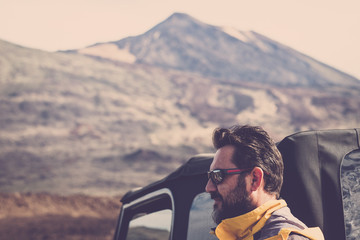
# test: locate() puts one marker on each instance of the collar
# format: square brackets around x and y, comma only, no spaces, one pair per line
[246,225]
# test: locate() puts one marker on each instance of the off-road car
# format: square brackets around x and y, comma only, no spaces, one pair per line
[321,186]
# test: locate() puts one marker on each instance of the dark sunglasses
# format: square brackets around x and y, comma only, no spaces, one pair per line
[218,175]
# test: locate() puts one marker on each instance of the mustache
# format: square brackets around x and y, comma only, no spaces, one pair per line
[216,195]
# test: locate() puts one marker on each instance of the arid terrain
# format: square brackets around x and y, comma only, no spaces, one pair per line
[46,216]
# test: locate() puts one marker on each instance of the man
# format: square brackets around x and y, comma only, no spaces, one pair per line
[245,180]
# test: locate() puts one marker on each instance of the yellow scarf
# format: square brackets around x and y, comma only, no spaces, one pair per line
[245,226]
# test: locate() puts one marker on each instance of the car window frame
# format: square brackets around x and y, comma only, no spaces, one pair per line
[151,202]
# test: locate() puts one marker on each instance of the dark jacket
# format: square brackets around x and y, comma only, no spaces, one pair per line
[279,219]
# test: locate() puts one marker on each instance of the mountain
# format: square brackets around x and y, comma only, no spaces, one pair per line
[118,115]
[186,44]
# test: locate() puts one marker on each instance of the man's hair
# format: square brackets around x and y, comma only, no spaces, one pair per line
[253,148]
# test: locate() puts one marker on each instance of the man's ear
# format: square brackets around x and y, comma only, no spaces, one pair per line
[257,178]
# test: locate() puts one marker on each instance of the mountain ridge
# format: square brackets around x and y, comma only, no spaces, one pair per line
[183,43]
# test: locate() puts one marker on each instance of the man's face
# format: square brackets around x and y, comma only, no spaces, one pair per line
[231,197]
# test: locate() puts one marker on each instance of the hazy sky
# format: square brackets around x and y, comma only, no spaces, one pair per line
[328,30]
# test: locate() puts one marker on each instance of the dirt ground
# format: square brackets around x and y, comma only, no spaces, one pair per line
[46,216]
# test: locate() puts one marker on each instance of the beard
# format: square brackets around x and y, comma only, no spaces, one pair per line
[236,203]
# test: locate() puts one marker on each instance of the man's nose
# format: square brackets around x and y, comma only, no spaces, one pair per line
[210,186]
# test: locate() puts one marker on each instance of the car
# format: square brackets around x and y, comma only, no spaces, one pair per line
[321,187]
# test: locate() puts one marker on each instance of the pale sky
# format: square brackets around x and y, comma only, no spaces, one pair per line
[327,30]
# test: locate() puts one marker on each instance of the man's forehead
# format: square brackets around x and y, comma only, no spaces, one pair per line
[222,158]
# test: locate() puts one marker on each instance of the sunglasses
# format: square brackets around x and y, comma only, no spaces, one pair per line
[218,175]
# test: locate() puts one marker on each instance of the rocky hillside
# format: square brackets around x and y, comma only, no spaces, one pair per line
[118,115]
